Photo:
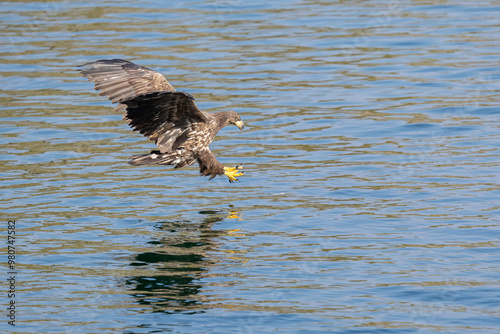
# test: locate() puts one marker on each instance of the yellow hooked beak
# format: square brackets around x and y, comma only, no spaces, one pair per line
[240,125]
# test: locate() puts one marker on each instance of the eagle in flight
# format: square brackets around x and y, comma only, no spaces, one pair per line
[170,118]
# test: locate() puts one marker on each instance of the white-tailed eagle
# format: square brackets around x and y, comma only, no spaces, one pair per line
[170,118]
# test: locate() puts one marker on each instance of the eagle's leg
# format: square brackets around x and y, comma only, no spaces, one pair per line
[233,172]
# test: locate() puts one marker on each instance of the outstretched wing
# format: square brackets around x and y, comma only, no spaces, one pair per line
[122,80]
[168,118]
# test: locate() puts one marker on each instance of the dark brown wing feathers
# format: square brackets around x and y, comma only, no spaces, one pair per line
[122,80]
[164,117]
[152,110]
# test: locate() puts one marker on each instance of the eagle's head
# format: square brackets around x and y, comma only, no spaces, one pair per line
[234,119]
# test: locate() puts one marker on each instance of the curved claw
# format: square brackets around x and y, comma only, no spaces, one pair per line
[233,172]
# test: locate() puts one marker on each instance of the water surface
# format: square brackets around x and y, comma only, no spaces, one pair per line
[371,196]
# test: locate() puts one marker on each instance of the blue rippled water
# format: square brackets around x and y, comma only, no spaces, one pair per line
[371,151]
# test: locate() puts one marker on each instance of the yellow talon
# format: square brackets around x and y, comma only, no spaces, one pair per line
[233,172]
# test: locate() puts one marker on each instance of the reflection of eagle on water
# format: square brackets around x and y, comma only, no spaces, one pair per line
[153,107]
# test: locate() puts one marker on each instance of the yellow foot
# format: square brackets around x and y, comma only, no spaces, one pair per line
[232,172]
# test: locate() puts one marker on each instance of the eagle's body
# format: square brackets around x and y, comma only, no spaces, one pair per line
[170,118]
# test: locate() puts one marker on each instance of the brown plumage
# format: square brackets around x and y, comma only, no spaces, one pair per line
[170,118]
